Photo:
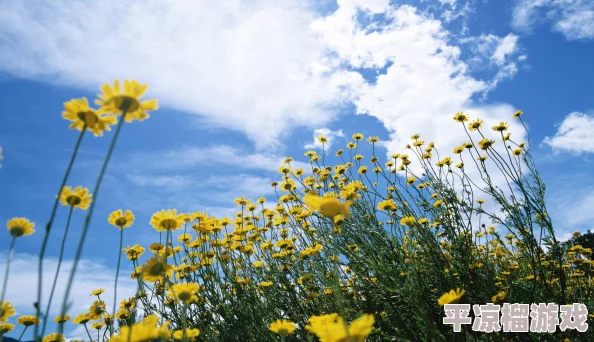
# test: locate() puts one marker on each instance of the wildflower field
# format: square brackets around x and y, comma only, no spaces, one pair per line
[356,248]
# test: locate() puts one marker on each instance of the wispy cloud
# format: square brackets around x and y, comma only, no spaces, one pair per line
[572,18]
[575,134]
[221,155]
[91,275]
[326,132]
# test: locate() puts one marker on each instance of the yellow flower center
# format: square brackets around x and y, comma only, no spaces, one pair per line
[73,200]
[169,224]
[88,117]
[121,221]
[126,103]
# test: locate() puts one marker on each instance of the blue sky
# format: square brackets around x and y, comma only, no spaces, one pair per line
[241,86]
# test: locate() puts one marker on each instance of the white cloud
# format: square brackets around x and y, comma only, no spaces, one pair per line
[188,157]
[492,49]
[249,185]
[91,274]
[572,18]
[427,82]
[507,46]
[524,14]
[577,25]
[575,134]
[172,182]
[259,76]
[261,67]
[326,132]
[251,66]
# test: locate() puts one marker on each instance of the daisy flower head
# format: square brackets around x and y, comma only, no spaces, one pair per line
[28,320]
[451,297]
[78,197]
[167,220]
[6,311]
[126,101]
[121,219]
[81,115]
[6,327]
[20,226]
[282,327]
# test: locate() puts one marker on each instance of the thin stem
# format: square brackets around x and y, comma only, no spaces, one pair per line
[23,333]
[115,285]
[9,258]
[48,227]
[49,302]
[88,333]
[90,214]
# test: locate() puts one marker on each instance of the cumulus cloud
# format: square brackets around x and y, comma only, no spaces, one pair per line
[572,18]
[326,132]
[425,81]
[575,134]
[262,68]
[254,67]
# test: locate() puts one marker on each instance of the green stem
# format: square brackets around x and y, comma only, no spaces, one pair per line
[23,333]
[48,227]
[88,333]
[115,285]
[49,302]
[9,258]
[90,214]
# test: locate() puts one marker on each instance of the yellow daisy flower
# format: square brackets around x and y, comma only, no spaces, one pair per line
[121,219]
[183,292]
[147,330]
[97,292]
[503,126]
[114,100]
[450,297]
[97,309]
[98,325]
[83,318]
[5,327]
[167,220]
[78,111]
[78,197]
[20,226]
[155,269]
[190,334]
[28,320]
[328,205]
[62,319]
[282,327]
[6,310]
[54,337]
[460,117]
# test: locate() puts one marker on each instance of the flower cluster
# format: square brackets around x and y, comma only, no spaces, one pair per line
[360,250]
